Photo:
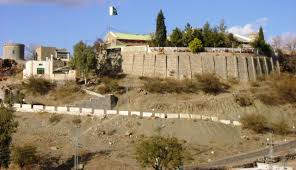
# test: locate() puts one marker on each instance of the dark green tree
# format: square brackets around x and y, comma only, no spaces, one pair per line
[84,59]
[8,126]
[188,35]
[261,35]
[159,152]
[260,44]
[161,32]
[177,38]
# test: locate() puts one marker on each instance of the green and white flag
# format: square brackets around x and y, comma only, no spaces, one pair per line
[112,11]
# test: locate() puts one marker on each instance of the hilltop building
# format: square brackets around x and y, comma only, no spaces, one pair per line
[14,51]
[118,40]
[47,70]
[43,53]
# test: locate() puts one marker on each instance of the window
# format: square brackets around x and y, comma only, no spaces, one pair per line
[40,70]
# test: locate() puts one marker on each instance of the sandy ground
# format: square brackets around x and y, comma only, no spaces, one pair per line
[110,142]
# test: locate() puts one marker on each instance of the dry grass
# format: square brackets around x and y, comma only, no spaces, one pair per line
[243,100]
[209,83]
[38,86]
[256,122]
[279,89]
[109,85]
[280,127]
[54,119]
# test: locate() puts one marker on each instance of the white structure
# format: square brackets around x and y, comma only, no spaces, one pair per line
[45,70]
[264,166]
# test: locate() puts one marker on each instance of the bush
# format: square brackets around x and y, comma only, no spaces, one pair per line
[210,83]
[55,119]
[286,87]
[255,122]
[76,122]
[287,63]
[281,127]
[243,100]
[24,156]
[63,91]
[109,85]
[196,45]
[38,86]
[159,152]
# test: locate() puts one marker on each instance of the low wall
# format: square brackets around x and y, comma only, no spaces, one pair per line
[185,65]
[102,113]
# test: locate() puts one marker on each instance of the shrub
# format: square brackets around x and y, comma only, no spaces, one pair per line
[196,45]
[159,152]
[255,122]
[243,100]
[210,83]
[271,98]
[38,86]
[109,85]
[76,122]
[281,127]
[55,119]
[63,91]
[287,63]
[24,156]
[286,88]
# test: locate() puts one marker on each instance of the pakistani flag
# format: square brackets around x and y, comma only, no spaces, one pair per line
[112,11]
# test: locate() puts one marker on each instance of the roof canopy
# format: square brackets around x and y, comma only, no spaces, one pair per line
[125,36]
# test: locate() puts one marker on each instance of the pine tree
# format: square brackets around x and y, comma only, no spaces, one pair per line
[161,32]
[261,35]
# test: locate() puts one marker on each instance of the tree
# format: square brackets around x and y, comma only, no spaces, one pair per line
[261,35]
[188,35]
[196,45]
[24,156]
[260,44]
[84,59]
[176,38]
[159,152]
[161,32]
[7,127]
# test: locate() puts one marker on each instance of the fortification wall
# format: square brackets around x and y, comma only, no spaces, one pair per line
[185,65]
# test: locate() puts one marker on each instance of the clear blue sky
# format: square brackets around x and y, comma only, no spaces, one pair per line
[62,23]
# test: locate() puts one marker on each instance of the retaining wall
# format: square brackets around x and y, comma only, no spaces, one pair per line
[102,113]
[186,65]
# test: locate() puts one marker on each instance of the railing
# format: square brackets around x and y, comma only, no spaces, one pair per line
[102,113]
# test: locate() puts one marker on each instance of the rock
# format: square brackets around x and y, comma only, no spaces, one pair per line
[128,134]
[54,148]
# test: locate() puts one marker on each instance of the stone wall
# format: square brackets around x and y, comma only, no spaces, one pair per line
[186,65]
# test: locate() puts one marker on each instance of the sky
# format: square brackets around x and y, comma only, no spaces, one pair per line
[62,23]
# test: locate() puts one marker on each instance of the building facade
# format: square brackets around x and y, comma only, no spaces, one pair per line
[43,53]
[45,69]
[117,40]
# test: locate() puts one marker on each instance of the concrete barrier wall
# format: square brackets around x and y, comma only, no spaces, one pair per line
[102,113]
[186,65]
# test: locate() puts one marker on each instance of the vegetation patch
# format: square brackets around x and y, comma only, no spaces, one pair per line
[54,119]
[210,83]
[243,100]
[255,122]
[280,89]
[24,156]
[38,86]
[109,85]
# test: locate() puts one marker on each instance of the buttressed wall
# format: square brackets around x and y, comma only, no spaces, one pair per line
[244,67]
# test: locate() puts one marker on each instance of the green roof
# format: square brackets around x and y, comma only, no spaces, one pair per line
[125,36]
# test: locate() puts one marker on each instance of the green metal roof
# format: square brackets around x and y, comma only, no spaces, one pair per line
[125,36]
